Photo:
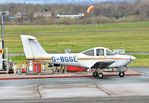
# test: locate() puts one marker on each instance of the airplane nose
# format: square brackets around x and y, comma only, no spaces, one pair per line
[132,57]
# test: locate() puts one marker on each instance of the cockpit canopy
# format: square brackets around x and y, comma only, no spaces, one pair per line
[99,51]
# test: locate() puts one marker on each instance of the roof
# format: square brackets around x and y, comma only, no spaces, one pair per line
[94,48]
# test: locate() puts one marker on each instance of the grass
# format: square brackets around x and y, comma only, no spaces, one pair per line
[68,28]
[18,59]
[131,36]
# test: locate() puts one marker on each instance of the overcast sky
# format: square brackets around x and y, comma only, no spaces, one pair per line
[56,1]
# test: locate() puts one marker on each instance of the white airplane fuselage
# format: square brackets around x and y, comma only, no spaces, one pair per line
[96,58]
[82,60]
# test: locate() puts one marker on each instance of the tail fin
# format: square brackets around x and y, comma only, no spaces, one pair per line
[32,47]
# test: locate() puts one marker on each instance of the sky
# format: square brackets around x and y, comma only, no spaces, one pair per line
[55,1]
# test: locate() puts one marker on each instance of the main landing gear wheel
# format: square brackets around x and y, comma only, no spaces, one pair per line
[100,75]
[121,74]
[95,74]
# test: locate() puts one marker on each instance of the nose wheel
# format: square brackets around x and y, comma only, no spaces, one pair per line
[121,74]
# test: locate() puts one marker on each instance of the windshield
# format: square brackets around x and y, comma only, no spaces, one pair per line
[108,52]
[89,52]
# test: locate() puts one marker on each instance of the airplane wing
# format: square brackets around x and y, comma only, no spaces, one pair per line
[102,65]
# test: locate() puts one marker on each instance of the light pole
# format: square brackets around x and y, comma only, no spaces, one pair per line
[3,14]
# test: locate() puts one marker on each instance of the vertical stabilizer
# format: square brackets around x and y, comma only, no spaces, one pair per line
[32,47]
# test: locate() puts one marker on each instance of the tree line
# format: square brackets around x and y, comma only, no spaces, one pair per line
[104,12]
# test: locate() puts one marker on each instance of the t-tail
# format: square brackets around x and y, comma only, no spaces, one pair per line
[32,48]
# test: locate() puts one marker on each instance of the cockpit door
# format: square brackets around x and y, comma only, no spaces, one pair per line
[100,52]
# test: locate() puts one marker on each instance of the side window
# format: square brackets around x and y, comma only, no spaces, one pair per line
[100,52]
[108,52]
[90,52]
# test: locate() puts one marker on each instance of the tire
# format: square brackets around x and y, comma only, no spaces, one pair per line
[100,75]
[121,74]
[95,74]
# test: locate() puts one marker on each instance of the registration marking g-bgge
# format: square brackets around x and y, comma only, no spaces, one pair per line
[64,59]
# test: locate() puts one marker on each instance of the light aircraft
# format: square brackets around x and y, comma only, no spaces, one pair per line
[98,58]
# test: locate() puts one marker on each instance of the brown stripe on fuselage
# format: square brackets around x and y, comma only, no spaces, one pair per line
[102,58]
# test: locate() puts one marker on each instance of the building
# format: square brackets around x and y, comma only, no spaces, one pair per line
[42,14]
[80,15]
[20,16]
